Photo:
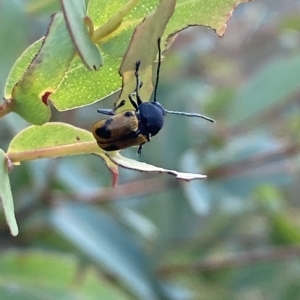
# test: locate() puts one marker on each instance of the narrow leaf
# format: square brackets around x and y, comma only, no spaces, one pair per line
[143,47]
[6,195]
[74,13]
[270,87]
[44,275]
[109,245]
[131,164]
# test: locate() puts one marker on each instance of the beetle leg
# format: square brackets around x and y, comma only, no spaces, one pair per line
[139,151]
[133,102]
[122,103]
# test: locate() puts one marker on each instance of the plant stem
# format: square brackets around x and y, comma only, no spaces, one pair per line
[65,150]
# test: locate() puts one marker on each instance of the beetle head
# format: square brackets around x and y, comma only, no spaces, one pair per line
[151,116]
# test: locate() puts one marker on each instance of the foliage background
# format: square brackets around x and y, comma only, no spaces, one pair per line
[232,236]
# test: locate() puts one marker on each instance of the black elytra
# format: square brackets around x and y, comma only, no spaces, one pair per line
[134,128]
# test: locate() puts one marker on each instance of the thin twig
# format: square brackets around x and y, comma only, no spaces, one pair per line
[131,189]
[256,160]
[236,261]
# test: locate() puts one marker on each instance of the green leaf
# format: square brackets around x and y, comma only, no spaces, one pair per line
[6,195]
[73,86]
[20,67]
[112,26]
[74,13]
[272,85]
[105,242]
[55,140]
[90,87]
[81,87]
[118,16]
[212,13]
[30,94]
[49,136]
[39,275]
[51,140]
[143,47]
[284,230]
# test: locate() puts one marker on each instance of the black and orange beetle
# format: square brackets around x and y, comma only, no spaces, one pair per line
[134,128]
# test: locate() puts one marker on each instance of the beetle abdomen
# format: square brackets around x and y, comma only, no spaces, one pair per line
[118,132]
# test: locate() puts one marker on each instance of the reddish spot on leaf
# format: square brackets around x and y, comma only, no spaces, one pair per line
[45,97]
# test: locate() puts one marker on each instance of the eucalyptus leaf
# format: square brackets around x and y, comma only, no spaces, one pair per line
[6,195]
[268,88]
[36,275]
[31,93]
[109,245]
[75,14]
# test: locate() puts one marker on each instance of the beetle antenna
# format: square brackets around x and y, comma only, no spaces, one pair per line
[158,69]
[189,115]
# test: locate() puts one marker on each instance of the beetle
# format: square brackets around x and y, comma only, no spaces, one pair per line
[136,127]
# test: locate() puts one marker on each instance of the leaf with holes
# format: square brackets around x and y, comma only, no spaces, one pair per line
[165,21]
[30,94]
[72,85]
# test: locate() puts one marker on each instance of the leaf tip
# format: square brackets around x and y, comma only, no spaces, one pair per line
[14,231]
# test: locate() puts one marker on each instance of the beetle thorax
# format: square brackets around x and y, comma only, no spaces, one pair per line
[151,117]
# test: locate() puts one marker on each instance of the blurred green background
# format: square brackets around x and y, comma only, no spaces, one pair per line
[233,236]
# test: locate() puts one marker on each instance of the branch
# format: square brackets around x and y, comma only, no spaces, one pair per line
[121,191]
[236,261]
[256,160]
[6,107]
